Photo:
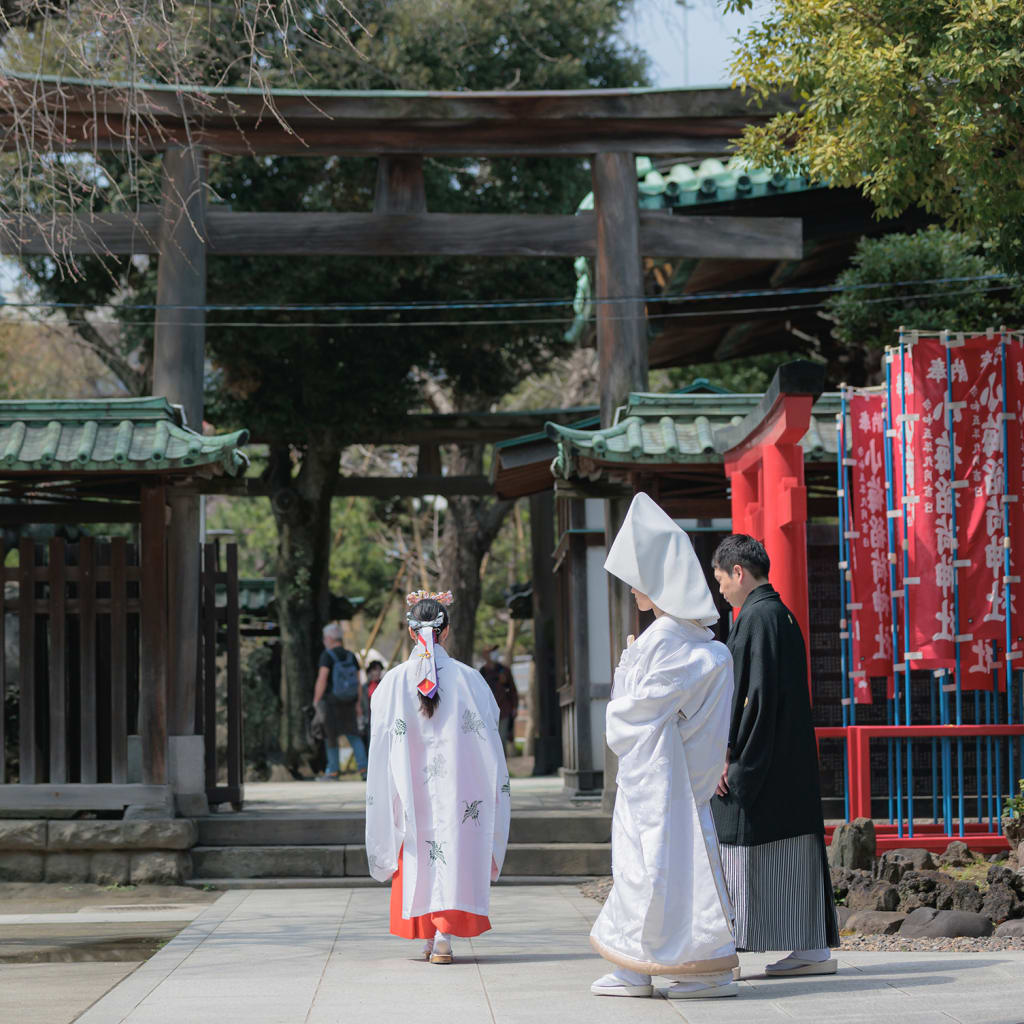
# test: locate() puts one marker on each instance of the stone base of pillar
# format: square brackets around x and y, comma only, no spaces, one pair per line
[187,775]
[547,755]
[577,783]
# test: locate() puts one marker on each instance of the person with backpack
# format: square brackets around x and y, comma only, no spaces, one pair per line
[336,698]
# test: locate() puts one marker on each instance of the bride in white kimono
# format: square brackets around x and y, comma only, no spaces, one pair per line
[669,911]
[438,797]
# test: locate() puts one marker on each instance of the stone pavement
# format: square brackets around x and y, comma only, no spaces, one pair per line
[324,957]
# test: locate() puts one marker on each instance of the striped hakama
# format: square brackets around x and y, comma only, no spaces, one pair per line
[782,894]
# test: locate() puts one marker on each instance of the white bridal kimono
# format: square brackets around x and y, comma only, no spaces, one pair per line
[669,912]
[439,786]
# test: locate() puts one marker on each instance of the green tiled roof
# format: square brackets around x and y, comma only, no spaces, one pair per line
[675,429]
[684,186]
[110,435]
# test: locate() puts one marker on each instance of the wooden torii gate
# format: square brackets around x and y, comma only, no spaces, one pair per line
[609,127]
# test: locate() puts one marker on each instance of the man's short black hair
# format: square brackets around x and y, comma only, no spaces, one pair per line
[739,549]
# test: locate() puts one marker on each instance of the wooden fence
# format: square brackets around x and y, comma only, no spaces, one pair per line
[220,693]
[80,692]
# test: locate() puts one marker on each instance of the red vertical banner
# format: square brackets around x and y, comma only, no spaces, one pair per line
[956,527]
[871,612]
[1015,487]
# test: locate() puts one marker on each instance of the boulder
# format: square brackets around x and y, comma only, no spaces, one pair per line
[159,868]
[853,845]
[934,889]
[928,923]
[873,895]
[892,865]
[845,879]
[999,856]
[956,855]
[875,922]
[1001,903]
[1011,929]
[1001,875]
[16,834]
[954,895]
[843,915]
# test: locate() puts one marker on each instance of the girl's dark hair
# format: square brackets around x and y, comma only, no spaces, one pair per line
[426,611]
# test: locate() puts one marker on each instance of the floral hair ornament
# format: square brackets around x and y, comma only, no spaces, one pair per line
[416,596]
[425,638]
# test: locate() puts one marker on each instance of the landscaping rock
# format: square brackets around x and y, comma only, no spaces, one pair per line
[954,895]
[68,867]
[999,856]
[17,834]
[875,922]
[843,879]
[875,895]
[110,868]
[1001,903]
[928,923]
[159,868]
[956,855]
[1011,929]
[853,845]
[21,867]
[918,889]
[843,915]
[1000,875]
[894,864]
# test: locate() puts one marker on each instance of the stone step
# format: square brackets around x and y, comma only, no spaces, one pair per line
[349,829]
[349,861]
[361,883]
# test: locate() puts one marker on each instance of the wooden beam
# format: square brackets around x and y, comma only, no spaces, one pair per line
[153,628]
[621,323]
[696,122]
[400,185]
[80,797]
[76,512]
[664,235]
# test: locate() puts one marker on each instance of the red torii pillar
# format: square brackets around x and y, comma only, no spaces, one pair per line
[765,466]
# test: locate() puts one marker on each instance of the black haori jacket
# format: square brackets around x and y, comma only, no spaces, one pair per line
[773,761]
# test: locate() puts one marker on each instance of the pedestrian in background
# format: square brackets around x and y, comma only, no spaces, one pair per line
[336,699]
[503,686]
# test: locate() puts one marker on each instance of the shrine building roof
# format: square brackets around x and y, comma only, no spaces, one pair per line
[111,435]
[665,430]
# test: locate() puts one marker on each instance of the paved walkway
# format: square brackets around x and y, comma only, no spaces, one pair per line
[324,957]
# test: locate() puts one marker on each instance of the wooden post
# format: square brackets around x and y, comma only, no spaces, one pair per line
[178,357]
[621,323]
[579,652]
[547,748]
[29,754]
[400,185]
[154,626]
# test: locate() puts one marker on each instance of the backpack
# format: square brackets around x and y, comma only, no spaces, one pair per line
[344,676]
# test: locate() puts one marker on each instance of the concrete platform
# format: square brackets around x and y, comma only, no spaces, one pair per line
[324,956]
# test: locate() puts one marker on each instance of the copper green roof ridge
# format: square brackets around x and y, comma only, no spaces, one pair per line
[675,429]
[111,435]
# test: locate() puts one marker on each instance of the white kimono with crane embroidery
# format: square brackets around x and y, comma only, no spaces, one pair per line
[669,911]
[437,787]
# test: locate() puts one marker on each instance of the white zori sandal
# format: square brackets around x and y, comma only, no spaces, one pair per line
[441,952]
[623,982]
[703,986]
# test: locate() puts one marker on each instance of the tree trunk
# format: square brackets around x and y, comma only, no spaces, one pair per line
[470,526]
[302,512]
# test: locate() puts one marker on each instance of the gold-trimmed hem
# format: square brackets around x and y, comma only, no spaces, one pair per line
[718,965]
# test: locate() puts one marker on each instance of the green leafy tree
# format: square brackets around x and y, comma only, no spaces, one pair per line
[868,315]
[303,381]
[914,104]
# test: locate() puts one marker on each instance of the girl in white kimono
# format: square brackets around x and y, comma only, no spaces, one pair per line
[437,795]
[669,911]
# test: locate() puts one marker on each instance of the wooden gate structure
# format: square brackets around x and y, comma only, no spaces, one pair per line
[94,643]
[608,127]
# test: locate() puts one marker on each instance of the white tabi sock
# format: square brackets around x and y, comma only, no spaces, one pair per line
[628,977]
[812,956]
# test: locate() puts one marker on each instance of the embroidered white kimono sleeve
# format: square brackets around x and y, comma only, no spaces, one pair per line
[668,720]
[437,789]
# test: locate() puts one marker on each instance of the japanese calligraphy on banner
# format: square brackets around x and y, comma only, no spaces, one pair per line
[954,505]
[1015,408]
[871,614]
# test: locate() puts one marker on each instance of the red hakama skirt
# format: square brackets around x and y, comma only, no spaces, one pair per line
[450,922]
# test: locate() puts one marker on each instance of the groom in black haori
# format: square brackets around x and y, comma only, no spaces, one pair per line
[767,807]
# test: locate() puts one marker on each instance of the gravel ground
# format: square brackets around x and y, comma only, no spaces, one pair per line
[599,888]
